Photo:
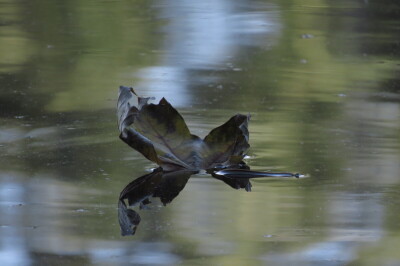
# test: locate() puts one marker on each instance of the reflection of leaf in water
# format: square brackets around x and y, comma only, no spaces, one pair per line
[236,183]
[158,184]
[160,133]
[128,219]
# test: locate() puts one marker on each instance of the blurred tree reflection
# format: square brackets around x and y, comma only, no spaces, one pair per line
[323,93]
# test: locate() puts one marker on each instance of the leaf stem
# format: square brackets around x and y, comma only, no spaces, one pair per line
[239,173]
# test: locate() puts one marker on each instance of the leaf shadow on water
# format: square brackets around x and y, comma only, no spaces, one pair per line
[161,135]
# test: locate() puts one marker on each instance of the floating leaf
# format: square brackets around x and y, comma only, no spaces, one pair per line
[160,133]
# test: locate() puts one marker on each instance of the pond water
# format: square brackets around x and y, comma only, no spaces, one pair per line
[320,80]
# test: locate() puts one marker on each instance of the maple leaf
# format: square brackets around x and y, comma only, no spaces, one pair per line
[160,133]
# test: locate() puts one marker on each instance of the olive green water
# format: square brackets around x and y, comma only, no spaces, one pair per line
[320,79]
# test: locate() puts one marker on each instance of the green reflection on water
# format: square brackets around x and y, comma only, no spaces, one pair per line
[324,97]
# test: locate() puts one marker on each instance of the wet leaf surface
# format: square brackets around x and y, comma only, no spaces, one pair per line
[244,173]
[160,133]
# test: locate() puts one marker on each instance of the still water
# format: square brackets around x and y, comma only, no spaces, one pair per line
[319,78]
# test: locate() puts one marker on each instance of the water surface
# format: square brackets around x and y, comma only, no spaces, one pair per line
[320,80]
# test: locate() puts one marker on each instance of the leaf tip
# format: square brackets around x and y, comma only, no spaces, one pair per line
[163,101]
